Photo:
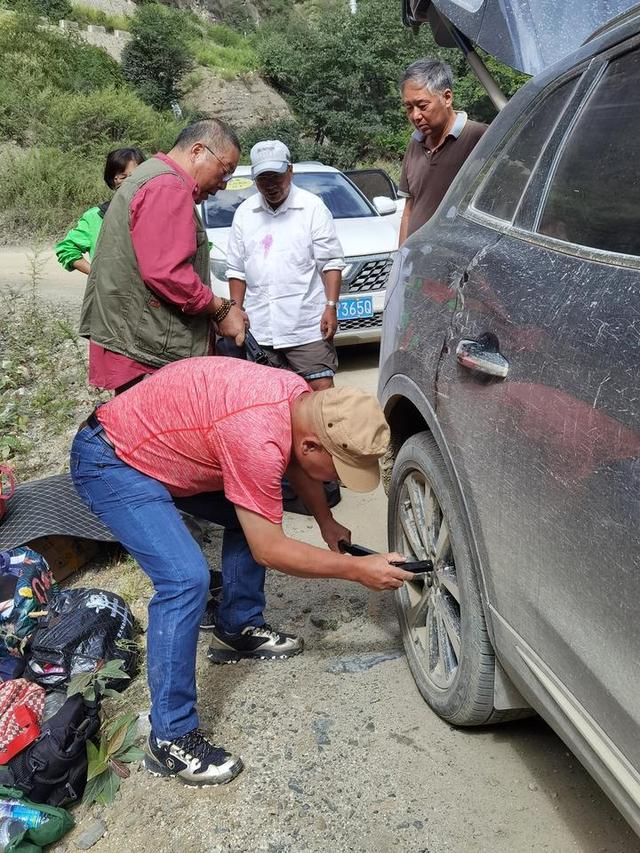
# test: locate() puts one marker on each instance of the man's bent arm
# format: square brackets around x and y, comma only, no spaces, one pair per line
[237,290]
[270,547]
[404,222]
[332,282]
[314,497]
[160,208]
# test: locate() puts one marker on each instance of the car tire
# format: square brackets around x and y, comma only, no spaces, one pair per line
[443,626]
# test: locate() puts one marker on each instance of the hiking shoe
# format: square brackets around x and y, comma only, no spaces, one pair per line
[192,758]
[259,642]
[208,621]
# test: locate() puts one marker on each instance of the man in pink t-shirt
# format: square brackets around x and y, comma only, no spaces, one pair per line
[215,436]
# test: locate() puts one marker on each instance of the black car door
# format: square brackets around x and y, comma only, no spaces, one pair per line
[549,455]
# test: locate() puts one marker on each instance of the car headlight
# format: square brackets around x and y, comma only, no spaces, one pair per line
[219,269]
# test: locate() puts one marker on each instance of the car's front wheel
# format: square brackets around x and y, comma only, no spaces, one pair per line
[441,616]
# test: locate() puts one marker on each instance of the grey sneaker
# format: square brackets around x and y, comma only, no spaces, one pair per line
[191,758]
[256,642]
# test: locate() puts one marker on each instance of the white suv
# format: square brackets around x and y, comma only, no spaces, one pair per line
[368,232]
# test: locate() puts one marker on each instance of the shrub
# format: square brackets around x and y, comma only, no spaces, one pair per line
[288,131]
[42,189]
[89,15]
[91,123]
[52,9]
[157,56]
[42,381]
[36,63]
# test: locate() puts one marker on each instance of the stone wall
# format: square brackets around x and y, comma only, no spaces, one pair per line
[113,41]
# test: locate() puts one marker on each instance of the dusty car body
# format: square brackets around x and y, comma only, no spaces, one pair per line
[509,372]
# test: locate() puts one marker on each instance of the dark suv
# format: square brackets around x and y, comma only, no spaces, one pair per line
[509,372]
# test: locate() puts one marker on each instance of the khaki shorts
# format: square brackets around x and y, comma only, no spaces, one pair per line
[317,360]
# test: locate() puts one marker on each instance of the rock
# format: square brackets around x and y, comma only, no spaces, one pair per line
[361,663]
[532,786]
[243,102]
[90,835]
[294,786]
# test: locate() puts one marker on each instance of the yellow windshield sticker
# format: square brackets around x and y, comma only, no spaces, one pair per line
[236,184]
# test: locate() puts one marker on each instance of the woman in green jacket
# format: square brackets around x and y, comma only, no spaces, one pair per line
[82,239]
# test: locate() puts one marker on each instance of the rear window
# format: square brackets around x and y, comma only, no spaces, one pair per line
[507,180]
[593,196]
[343,200]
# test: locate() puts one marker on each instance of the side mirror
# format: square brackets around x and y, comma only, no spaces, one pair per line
[384,205]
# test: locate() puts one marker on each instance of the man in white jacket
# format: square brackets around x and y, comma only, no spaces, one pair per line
[285,267]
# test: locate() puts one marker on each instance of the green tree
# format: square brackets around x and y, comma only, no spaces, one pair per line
[157,57]
[340,73]
[55,10]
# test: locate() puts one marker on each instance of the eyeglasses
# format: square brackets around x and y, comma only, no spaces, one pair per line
[226,177]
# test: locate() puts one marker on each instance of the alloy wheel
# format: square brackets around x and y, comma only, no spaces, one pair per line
[431,603]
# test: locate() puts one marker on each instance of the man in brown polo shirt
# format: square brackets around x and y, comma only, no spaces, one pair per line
[441,142]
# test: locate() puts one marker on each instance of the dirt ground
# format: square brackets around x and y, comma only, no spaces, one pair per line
[340,751]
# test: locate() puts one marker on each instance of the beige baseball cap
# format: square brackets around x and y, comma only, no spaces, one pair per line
[351,426]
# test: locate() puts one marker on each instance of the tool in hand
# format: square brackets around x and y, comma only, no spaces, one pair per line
[418,567]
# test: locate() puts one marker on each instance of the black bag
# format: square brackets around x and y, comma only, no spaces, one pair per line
[83,628]
[53,769]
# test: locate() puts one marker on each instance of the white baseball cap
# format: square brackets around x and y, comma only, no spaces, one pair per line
[269,156]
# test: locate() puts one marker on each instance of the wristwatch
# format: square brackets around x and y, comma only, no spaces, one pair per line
[331,303]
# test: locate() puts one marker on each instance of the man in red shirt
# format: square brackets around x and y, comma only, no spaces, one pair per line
[215,436]
[149,300]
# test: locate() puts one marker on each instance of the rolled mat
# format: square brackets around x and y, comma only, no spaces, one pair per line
[49,507]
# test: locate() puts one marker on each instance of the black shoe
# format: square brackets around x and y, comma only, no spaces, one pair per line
[208,621]
[253,642]
[192,758]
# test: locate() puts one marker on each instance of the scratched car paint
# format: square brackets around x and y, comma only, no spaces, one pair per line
[524,488]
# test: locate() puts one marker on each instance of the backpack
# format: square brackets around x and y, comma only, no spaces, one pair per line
[82,629]
[21,710]
[27,587]
[53,769]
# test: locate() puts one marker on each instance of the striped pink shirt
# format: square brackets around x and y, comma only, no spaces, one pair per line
[210,424]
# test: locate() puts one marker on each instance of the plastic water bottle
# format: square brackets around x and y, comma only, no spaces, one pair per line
[8,830]
[27,815]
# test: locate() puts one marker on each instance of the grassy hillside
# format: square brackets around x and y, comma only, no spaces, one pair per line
[65,104]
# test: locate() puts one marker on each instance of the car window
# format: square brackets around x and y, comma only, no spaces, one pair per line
[593,195]
[219,208]
[502,189]
[373,183]
[343,200]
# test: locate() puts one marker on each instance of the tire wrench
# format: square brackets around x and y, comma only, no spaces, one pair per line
[417,567]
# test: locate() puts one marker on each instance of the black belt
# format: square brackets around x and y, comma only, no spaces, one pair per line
[94,423]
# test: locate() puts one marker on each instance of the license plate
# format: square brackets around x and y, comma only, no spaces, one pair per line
[354,309]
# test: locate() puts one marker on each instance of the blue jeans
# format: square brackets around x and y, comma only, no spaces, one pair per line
[145,519]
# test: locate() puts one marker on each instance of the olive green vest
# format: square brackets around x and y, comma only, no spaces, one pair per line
[119,311]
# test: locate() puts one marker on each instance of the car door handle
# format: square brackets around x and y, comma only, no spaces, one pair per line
[482,355]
